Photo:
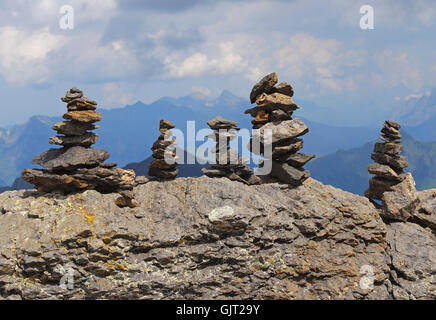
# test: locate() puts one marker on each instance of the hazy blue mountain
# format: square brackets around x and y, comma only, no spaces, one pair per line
[426,131]
[128,133]
[347,169]
[416,109]
[185,170]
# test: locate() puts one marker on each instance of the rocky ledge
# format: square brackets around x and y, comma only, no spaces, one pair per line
[198,238]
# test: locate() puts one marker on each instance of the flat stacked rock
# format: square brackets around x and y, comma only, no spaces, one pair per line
[164,164]
[76,166]
[388,169]
[228,162]
[274,110]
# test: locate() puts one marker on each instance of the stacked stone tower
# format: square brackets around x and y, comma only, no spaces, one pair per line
[164,164]
[228,162]
[388,169]
[274,110]
[76,166]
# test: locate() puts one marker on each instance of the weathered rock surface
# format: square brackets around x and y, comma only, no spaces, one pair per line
[70,158]
[198,238]
[413,253]
[203,238]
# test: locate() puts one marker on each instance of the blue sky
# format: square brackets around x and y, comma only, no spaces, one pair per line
[122,51]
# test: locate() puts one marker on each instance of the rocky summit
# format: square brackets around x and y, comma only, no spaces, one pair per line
[273,113]
[228,163]
[76,166]
[204,238]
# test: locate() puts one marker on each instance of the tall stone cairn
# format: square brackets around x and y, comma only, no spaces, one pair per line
[76,166]
[228,162]
[389,164]
[164,164]
[274,110]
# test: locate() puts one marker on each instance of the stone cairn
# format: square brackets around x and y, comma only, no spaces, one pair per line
[228,162]
[394,188]
[164,164]
[274,112]
[76,166]
[388,169]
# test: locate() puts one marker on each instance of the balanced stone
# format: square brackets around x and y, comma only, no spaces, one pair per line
[165,124]
[72,94]
[70,158]
[87,116]
[282,131]
[289,174]
[284,88]
[384,171]
[393,124]
[73,128]
[290,148]
[388,148]
[220,123]
[276,101]
[263,86]
[397,162]
[279,115]
[85,140]
[297,160]
[81,104]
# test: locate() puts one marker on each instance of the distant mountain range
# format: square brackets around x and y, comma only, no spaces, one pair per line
[128,133]
[347,169]
[185,170]
[416,109]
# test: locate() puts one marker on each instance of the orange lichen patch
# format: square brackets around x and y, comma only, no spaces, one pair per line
[261,117]
[90,217]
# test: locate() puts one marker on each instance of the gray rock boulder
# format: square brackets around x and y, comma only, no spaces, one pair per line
[204,238]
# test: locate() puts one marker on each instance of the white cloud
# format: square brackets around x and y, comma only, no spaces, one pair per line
[321,61]
[198,64]
[115,96]
[197,90]
[417,95]
[395,68]
[24,55]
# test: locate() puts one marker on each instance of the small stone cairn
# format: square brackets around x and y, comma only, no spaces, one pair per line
[164,164]
[391,185]
[76,166]
[228,162]
[390,164]
[274,110]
